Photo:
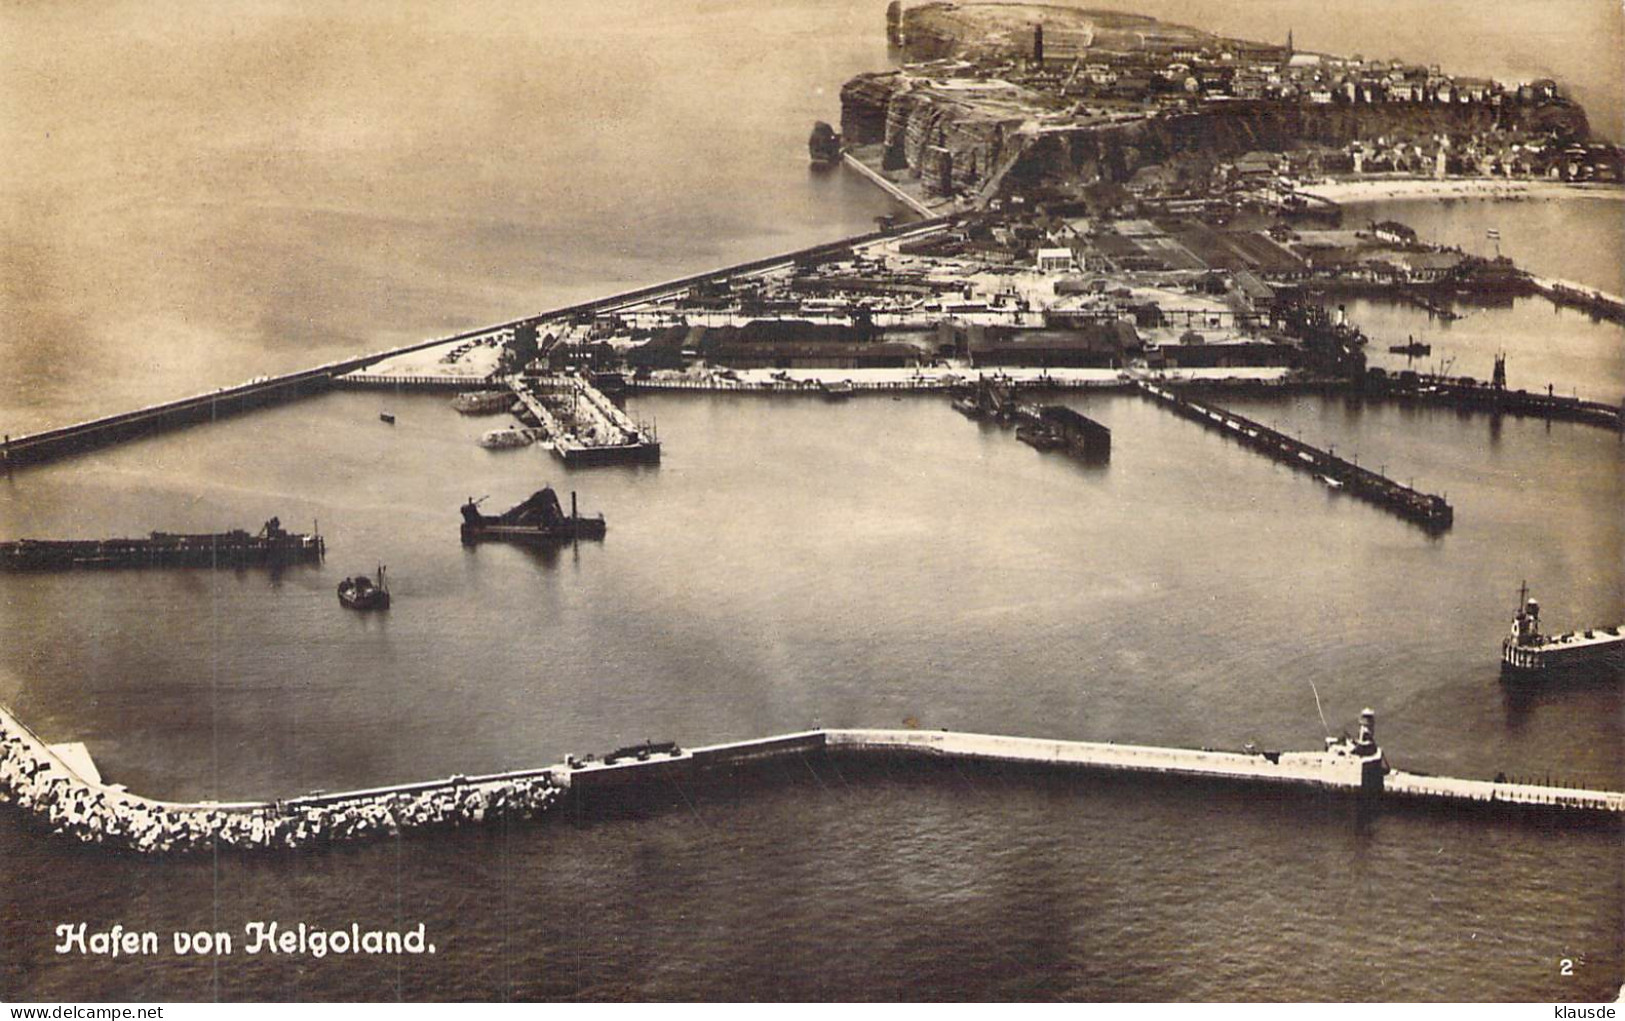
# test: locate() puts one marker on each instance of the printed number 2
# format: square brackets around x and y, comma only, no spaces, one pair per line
[1565,967]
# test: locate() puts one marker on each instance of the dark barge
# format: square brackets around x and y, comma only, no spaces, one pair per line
[271,547]
[1053,427]
[539,519]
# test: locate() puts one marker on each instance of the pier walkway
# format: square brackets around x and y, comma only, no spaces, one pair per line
[1431,512]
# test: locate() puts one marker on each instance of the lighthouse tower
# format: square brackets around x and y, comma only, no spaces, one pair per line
[1372,765]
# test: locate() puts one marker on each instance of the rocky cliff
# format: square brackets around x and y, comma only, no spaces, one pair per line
[956,146]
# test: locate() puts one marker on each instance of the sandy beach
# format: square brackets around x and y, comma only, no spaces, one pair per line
[1389,189]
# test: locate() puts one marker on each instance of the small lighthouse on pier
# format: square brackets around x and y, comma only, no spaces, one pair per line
[1364,749]
[1372,765]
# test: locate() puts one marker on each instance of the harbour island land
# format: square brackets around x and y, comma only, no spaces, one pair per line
[1107,205]
[1117,204]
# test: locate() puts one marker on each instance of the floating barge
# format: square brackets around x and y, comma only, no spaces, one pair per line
[1431,512]
[1053,427]
[1527,654]
[272,546]
[538,520]
[1040,426]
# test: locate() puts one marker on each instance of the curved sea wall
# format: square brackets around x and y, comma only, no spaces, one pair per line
[73,802]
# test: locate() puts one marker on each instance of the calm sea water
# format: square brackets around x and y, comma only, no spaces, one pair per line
[790,563]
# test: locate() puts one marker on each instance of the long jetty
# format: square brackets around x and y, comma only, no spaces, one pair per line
[53,444]
[54,776]
[1431,512]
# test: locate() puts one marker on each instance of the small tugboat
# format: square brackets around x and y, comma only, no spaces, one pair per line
[1413,349]
[361,593]
[1526,652]
[539,519]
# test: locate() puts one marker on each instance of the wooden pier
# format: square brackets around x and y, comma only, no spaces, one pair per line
[1430,512]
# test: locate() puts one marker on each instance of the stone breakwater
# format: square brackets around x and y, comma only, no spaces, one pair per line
[41,782]
[49,785]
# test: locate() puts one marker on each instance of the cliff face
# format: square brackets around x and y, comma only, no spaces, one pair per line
[953,147]
[956,146]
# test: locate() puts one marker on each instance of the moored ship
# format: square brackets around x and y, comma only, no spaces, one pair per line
[539,519]
[272,546]
[507,439]
[483,402]
[1526,652]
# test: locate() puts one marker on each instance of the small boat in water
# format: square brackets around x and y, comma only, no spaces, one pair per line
[507,439]
[386,417]
[839,390]
[362,593]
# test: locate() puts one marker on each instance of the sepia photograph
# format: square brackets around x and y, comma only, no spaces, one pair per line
[716,501]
